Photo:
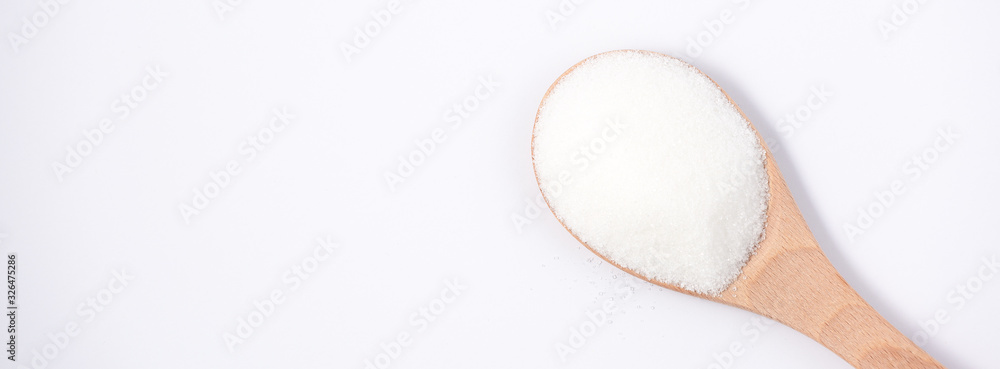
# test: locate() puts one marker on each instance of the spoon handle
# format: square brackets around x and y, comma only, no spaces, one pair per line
[807,294]
[865,339]
[791,281]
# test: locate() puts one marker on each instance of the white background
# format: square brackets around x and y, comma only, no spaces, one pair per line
[525,288]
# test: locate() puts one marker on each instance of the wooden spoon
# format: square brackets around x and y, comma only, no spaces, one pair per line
[790,280]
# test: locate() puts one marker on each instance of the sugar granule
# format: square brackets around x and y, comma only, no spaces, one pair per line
[646,160]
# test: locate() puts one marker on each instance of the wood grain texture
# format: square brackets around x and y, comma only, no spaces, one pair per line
[791,281]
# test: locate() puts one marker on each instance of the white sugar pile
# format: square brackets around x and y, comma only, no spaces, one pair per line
[646,160]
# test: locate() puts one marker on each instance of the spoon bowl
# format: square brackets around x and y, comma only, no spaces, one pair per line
[788,279]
